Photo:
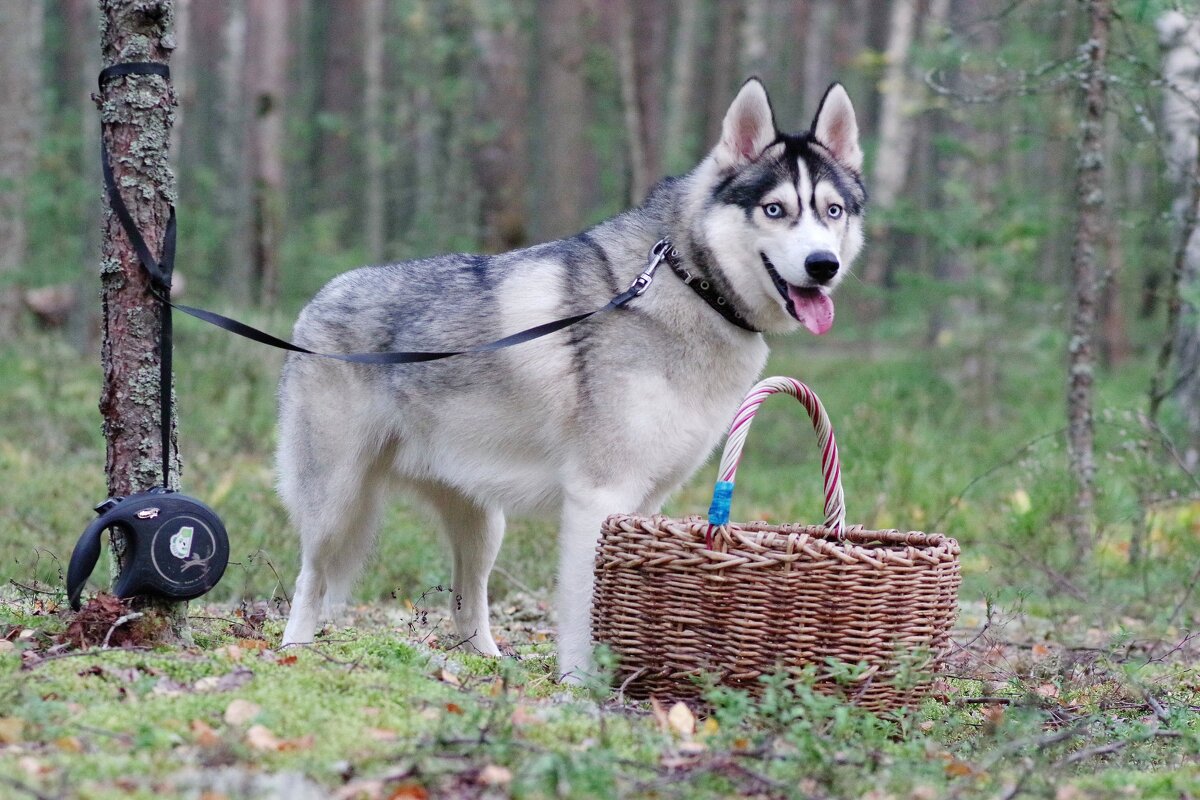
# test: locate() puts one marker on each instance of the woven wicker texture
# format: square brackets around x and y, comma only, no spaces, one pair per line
[766,598]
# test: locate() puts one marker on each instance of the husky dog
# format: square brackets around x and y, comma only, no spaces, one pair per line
[608,416]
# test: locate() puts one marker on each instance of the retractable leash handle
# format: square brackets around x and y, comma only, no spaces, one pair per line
[176,546]
[835,501]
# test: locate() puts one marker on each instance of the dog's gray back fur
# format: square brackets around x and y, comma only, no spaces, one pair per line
[607,416]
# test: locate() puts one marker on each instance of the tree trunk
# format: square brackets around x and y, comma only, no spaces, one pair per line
[896,129]
[818,39]
[651,47]
[639,177]
[136,115]
[563,100]
[20,58]
[1089,238]
[501,162]
[754,38]
[234,203]
[267,67]
[83,20]
[183,76]
[724,66]
[373,35]
[680,142]
[1179,38]
[339,177]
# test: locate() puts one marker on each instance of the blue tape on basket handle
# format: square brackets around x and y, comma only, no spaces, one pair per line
[718,512]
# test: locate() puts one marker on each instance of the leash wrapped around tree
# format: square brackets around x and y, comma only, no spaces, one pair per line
[679,599]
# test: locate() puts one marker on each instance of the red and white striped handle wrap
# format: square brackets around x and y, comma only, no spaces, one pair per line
[835,501]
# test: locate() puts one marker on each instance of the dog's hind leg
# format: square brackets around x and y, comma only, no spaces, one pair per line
[474,533]
[337,521]
[332,485]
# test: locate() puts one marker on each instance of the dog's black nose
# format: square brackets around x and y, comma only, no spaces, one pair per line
[821,265]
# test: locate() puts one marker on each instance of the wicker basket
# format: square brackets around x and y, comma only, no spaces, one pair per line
[679,598]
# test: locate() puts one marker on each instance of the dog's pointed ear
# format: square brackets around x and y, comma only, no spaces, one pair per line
[748,129]
[835,127]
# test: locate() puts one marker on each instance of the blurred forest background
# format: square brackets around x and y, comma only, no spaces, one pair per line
[312,136]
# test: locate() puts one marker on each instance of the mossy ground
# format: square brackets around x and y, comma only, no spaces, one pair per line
[1084,682]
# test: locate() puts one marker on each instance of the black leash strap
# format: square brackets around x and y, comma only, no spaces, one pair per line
[160,271]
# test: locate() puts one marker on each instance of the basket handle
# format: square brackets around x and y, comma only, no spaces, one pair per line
[835,501]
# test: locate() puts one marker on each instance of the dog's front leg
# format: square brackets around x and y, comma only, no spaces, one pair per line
[583,512]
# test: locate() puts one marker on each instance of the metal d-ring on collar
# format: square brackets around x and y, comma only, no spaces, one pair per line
[704,288]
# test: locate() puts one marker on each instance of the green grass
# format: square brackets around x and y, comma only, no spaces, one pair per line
[1073,649]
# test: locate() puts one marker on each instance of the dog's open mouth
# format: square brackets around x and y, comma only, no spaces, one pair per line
[810,305]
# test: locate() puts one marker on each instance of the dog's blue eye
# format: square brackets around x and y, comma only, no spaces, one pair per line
[773,210]
[834,211]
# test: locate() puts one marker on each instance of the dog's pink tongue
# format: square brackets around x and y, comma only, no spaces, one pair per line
[813,308]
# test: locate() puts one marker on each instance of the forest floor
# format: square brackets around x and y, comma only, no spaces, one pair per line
[384,706]
[1071,678]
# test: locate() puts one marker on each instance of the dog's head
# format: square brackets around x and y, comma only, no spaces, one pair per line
[783,213]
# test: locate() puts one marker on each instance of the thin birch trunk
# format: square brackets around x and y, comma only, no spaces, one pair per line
[1089,234]
[1179,39]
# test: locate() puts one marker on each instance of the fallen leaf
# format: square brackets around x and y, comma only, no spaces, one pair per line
[7,646]
[165,687]
[224,683]
[11,729]
[521,717]
[926,726]
[682,720]
[959,769]
[287,660]
[1047,690]
[240,711]
[260,738]
[710,727]
[252,644]
[446,676]
[993,715]
[454,708]
[409,791]
[660,715]
[494,775]
[33,767]
[69,744]
[304,742]
[361,789]
[230,651]
[381,734]
[204,733]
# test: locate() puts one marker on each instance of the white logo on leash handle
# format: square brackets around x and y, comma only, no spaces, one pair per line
[181,542]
